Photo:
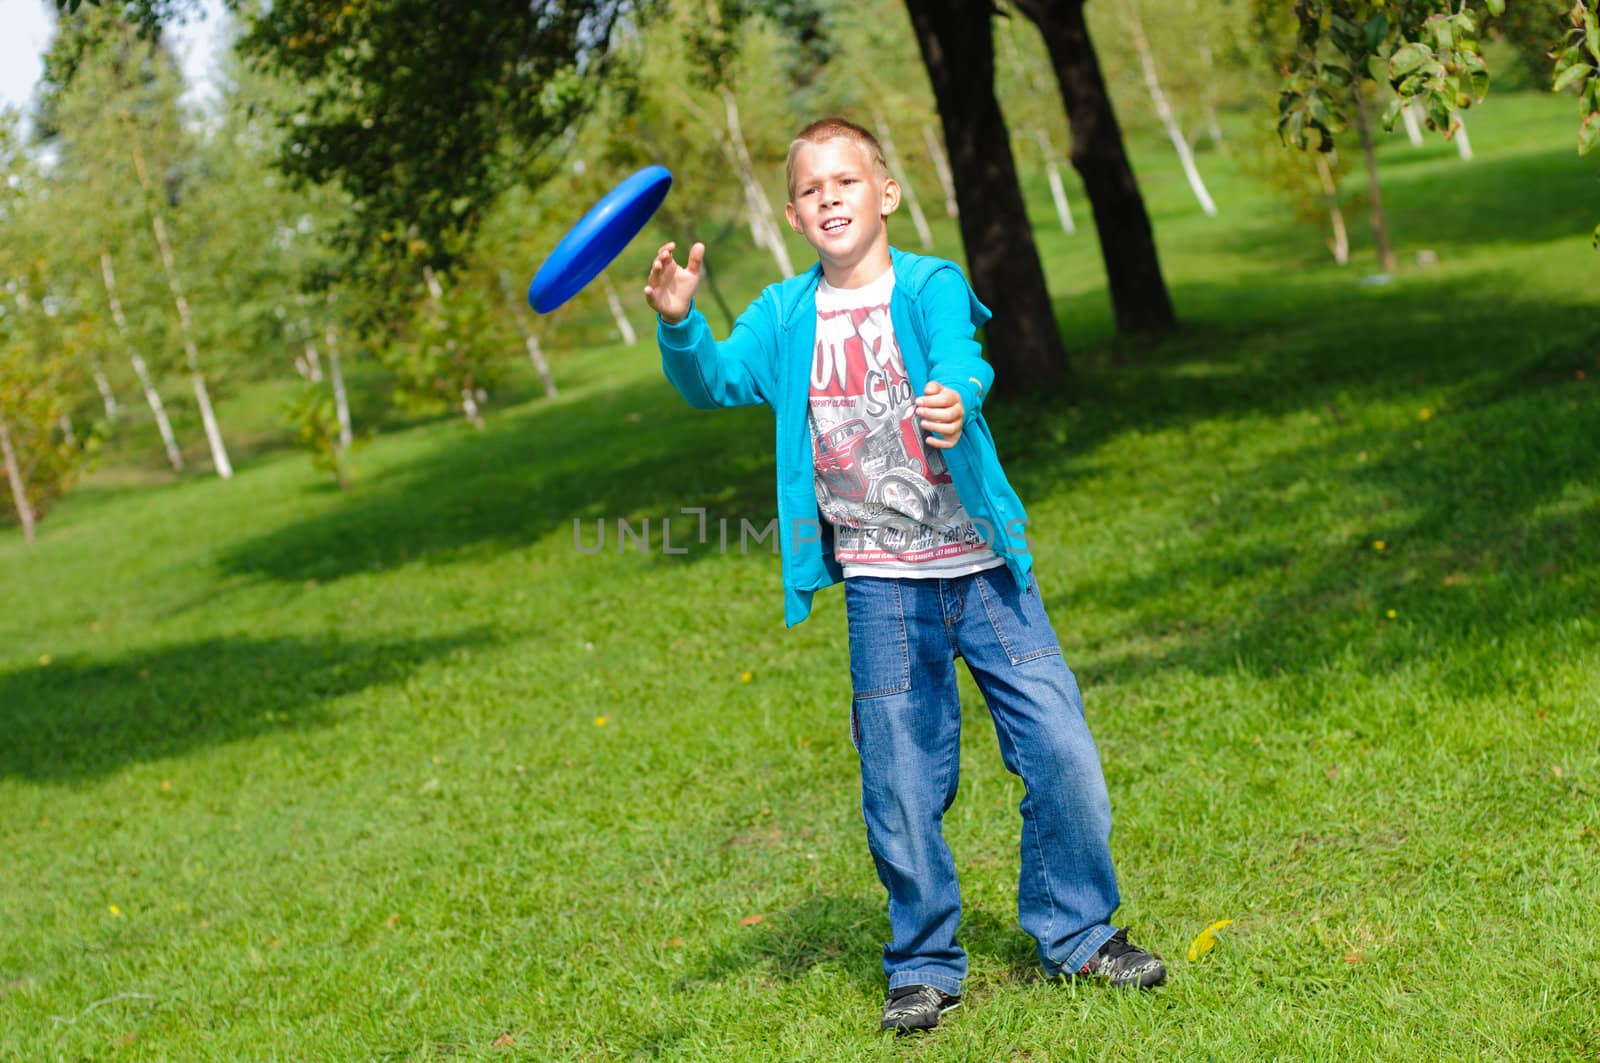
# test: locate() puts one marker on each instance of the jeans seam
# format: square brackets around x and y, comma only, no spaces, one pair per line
[905,655]
[1033,826]
[999,633]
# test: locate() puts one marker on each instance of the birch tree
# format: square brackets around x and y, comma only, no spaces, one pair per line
[1163,108]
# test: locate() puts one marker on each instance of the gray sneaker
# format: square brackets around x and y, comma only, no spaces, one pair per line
[1125,965]
[916,1007]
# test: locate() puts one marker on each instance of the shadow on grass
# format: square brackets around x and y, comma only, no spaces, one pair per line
[846,932]
[634,452]
[71,720]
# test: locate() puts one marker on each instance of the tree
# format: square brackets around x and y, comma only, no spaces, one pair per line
[1342,50]
[1139,296]
[957,46]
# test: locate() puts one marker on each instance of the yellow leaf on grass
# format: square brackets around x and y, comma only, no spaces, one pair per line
[1206,940]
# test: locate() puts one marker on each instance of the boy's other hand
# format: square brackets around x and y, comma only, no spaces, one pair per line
[940,410]
[670,287]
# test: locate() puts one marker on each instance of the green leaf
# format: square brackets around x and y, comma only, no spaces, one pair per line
[1591,33]
[1596,238]
[1391,113]
[1378,68]
[1438,109]
[1573,75]
[1496,7]
[1589,134]
[1412,55]
[1374,29]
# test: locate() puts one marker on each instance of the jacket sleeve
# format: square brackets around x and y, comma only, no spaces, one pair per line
[708,374]
[951,314]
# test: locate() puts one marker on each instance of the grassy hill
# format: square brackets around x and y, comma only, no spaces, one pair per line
[402,773]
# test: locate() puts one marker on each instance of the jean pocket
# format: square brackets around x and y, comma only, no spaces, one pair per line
[880,658]
[1018,617]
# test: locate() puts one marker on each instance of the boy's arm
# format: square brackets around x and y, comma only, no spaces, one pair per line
[955,358]
[709,374]
[706,373]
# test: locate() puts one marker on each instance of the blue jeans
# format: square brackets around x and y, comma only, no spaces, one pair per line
[906,724]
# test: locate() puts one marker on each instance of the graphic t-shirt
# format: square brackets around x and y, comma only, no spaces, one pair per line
[888,495]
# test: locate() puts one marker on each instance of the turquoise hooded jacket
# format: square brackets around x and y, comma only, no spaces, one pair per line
[767,358]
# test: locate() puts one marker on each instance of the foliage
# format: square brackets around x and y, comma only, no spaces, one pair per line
[1577,70]
[1425,50]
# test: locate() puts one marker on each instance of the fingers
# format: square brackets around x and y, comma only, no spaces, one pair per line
[659,281]
[697,254]
[939,410]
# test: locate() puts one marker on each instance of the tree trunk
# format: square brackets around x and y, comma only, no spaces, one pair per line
[219,452]
[1158,98]
[1139,296]
[529,339]
[1459,135]
[903,178]
[1380,225]
[941,166]
[1340,245]
[104,387]
[957,44]
[1413,127]
[1058,190]
[624,326]
[761,211]
[151,396]
[19,490]
[341,398]
[469,400]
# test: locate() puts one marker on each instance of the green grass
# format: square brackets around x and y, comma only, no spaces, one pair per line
[338,759]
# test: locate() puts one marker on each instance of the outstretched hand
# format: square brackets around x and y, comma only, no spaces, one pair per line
[939,409]
[670,287]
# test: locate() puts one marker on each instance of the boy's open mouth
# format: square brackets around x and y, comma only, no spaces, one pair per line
[833,225]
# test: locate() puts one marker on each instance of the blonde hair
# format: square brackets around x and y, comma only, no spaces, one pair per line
[826,129]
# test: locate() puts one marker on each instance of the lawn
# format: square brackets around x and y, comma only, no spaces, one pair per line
[400,773]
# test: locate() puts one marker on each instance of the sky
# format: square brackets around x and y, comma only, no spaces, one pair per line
[25,27]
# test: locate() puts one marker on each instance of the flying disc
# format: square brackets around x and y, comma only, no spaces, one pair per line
[599,237]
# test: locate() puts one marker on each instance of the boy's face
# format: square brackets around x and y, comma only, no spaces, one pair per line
[839,204]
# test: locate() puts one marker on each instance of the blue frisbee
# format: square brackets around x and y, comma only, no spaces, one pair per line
[599,237]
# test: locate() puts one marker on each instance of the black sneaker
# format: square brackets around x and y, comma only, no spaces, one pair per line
[916,1007]
[1124,965]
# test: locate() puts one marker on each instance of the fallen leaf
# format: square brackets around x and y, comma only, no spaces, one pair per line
[676,943]
[1555,769]
[505,1040]
[1206,940]
[1355,957]
[166,786]
[392,921]
[751,920]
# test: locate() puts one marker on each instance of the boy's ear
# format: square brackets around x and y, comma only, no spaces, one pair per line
[794,220]
[891,196]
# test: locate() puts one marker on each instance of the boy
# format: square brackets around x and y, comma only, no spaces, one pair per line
[888,479]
